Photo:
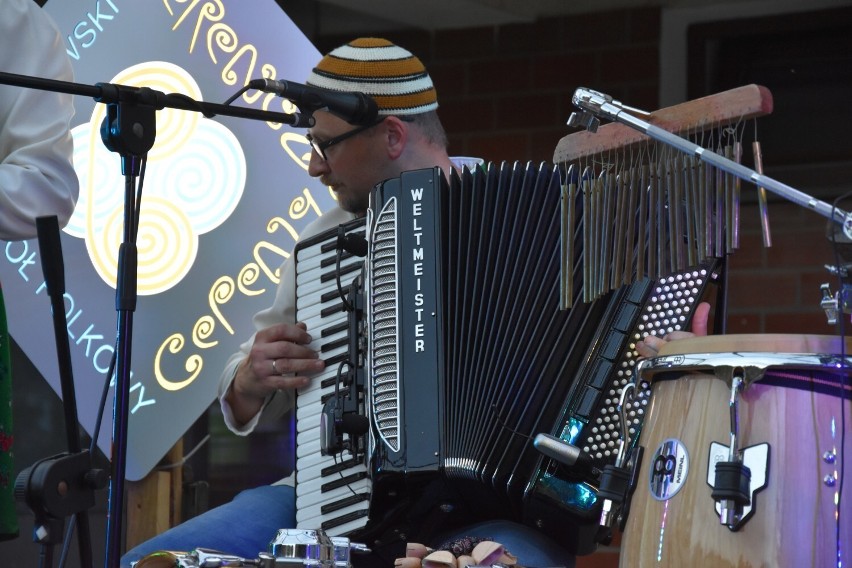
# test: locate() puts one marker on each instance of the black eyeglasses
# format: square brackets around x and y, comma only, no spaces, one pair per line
[321,147]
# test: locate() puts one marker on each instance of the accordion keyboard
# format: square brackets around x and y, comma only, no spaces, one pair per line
[332,491]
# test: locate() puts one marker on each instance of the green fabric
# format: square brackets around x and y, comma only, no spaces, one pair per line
[8,516]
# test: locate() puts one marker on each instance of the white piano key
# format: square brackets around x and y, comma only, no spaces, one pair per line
[310,465]
[312,447]
[304,517]
[309,398]
[310,492]
[343,529]
[311,479]
[309,430]
[306,300]
[310,276]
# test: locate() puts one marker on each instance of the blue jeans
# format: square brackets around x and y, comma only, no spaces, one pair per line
[245,526]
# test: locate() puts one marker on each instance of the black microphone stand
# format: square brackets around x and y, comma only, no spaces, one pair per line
[129,129]
[64,484]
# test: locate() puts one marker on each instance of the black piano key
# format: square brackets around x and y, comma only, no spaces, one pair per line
[332,345]
[328,525]
[343,481]
[331,245]
[331,330]
[338,467]
[331,310]
[330,276]
[343,503]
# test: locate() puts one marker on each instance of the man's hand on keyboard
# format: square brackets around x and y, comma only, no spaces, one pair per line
[279,359]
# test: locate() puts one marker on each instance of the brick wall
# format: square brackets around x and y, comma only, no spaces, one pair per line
[777,289]
[505,94]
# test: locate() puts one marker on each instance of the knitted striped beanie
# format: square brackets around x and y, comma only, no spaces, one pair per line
[391,75]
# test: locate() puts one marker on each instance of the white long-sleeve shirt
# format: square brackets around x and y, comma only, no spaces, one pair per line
[37,176]
[282,310]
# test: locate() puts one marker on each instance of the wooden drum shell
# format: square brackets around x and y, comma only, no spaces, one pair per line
[793,522]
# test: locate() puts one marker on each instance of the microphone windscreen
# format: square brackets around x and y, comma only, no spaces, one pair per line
[353,423]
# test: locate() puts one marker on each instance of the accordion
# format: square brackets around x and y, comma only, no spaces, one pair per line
[464,355]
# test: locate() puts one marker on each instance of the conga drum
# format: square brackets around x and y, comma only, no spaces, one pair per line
[791,412]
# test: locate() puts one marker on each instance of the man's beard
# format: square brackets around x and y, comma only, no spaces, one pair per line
[354,203]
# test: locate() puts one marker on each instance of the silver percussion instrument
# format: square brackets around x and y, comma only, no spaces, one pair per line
[291,548]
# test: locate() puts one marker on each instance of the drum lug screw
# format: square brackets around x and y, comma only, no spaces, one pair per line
[829,457]
[829,480]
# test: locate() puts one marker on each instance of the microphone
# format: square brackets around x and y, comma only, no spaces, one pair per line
[354,424]
[331,441]
[334,422]
[353,107]
[353,244]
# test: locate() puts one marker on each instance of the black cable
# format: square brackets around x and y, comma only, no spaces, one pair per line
[236,95]
[346,304]
[69,533]
[138,200]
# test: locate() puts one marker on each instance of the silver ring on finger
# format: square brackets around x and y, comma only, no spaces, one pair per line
[275,368]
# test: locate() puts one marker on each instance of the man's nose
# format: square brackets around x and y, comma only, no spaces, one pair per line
[317,166]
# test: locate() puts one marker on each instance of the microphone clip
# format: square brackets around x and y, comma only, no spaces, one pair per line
[352,106]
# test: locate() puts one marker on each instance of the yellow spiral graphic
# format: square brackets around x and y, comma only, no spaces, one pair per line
[166,246]
[194,181]
[174,126]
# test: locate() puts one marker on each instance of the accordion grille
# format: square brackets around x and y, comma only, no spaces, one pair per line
[383,353]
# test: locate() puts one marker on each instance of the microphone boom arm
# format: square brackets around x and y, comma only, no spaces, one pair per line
[594,103]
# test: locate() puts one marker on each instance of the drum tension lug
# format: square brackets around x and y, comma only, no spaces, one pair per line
[618,481]
[731,490]
[616,488]
[732,479]
[735,483]
[633,465]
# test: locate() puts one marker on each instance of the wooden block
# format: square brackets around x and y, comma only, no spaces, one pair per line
[148,507]
[735,105]
[154,502]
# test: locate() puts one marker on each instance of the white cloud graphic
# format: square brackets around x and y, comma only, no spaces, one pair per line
[195,178]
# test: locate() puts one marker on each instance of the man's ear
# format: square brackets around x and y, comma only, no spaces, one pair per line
[396,132]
